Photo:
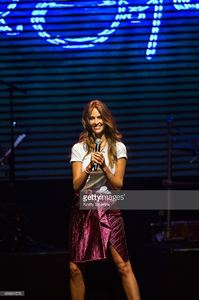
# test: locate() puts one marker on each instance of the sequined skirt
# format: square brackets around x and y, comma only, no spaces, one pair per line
[92,231]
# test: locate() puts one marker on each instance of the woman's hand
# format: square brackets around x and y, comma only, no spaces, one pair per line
[98,158]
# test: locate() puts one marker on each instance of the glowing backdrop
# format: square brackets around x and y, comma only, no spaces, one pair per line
[140,57]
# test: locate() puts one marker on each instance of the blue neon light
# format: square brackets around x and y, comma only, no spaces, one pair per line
[76,42]
[3,26]
[119,11]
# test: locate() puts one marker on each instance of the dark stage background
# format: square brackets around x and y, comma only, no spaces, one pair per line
[142,59]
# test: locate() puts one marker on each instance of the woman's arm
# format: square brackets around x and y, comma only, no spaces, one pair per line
[79,177]
[116,180]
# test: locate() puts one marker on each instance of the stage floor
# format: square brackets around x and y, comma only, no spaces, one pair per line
[166,271]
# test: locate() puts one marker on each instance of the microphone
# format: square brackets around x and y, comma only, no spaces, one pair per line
[97,149]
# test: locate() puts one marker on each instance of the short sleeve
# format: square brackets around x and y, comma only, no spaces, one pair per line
[121,150]
[76,153]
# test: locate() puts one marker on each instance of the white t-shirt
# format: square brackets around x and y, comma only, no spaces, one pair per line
[79,151]
[96,179]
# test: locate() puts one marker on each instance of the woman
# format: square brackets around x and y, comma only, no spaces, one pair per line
[94,233]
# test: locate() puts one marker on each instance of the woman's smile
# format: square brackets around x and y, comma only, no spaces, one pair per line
[96,122]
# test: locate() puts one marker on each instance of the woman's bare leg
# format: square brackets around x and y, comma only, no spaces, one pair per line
[129,281]
[77,286]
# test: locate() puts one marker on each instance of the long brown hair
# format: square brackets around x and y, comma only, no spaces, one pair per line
[110,130]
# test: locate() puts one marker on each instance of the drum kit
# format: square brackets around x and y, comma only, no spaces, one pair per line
[183,230]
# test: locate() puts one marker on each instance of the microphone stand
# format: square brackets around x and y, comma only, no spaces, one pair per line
[168,182]
[16,232]
[11,89]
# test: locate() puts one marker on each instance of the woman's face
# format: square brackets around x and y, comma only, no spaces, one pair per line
[96,123]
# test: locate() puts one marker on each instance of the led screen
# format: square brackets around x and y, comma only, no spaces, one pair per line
[140,57]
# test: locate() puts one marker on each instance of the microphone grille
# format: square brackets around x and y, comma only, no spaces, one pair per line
[98,141]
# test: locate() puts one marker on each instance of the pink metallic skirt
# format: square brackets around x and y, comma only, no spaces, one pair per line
[92,231]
